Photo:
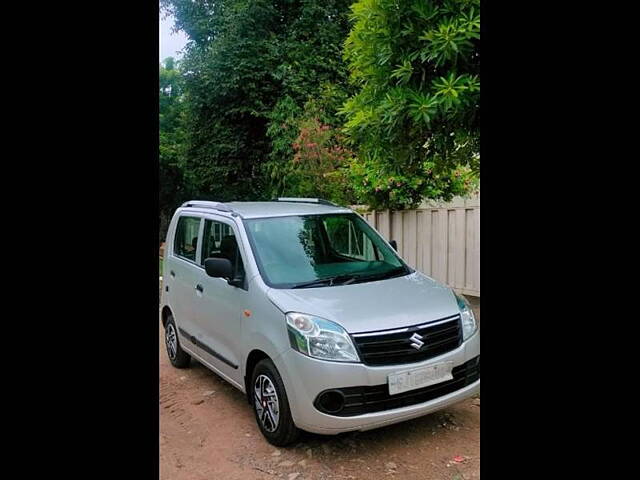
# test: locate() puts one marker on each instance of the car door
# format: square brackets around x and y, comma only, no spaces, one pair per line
[221,306]
[184,273]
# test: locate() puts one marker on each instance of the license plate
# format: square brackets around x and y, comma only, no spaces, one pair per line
[419,377]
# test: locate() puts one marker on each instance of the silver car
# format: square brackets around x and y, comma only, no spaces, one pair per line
[304,307]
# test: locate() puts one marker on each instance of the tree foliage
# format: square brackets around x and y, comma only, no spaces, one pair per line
[376,102]
[174,178]
[320,162]
[250,65]
[310,157]
[228,91]
[414,121]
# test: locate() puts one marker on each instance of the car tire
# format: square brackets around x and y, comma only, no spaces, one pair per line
[273,417]
[178,357]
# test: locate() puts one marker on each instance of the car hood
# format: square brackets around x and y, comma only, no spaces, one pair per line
[363,307]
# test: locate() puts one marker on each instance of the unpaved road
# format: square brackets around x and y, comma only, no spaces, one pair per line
[208,431]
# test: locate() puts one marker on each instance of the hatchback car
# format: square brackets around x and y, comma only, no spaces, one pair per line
[305,308]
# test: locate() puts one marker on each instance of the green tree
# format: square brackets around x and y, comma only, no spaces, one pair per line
[227,75]
[414,121]
[312,70]
[174,180]
[313,158]
[248,70]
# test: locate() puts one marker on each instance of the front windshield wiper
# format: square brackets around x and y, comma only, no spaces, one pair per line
[329,281]
[396,272]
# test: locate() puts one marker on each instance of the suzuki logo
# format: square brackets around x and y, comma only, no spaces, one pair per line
[416,341]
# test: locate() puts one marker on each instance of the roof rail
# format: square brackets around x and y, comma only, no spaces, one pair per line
[205,204]
[319,201]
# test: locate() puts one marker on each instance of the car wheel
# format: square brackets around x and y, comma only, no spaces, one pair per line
[271,406]
[178,357]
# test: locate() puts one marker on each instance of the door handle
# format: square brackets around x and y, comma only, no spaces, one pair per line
[172,273]
[199,288]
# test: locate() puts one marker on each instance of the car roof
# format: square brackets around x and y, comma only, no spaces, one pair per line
[268,209]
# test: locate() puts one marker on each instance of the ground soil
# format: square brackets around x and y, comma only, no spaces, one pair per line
[208,431]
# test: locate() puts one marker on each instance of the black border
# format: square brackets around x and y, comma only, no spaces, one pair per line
[87,171]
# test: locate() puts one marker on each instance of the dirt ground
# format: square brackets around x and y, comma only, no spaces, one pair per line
[208,431]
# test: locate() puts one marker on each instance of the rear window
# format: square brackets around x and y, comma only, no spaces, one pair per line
[186,240]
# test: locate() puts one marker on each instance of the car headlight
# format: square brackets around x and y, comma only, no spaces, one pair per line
[469,324]
[320,338]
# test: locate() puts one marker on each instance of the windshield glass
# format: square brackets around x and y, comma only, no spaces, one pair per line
[320,250]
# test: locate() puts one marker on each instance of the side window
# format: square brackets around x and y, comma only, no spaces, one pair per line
[219,241]
[186,240]
[349,240]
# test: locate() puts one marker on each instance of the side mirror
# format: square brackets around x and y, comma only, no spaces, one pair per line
[222,268]
[218,267]
[394,244]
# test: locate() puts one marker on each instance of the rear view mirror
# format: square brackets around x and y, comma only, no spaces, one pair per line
[394,244]
[218,267]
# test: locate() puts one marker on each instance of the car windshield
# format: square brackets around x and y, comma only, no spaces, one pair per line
[320,250]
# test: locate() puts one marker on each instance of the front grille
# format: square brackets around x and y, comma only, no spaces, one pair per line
[362,400]
[394,347]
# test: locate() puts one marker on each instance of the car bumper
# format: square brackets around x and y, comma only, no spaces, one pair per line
[305,378]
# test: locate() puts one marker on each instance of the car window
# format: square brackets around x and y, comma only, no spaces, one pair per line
[186,240]
[219,241]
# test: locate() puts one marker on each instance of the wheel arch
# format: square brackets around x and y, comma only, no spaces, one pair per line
[166,312]
[252,360]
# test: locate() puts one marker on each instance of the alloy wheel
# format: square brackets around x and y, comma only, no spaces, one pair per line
[172,341]
[266,401]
